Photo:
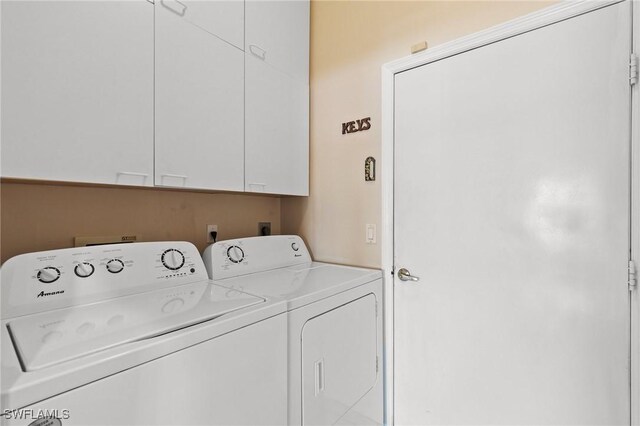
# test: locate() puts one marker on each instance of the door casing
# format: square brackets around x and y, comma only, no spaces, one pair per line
[553,14]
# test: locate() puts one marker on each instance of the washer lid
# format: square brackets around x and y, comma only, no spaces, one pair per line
[49,338]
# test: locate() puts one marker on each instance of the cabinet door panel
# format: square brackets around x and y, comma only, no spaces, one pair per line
[199,107]
[224,19]
[277,131]
[77,96]
[278,31]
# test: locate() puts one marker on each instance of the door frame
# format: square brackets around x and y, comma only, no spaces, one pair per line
[550,15]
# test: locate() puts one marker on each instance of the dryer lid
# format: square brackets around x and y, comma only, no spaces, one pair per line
[52,337]
[303,284]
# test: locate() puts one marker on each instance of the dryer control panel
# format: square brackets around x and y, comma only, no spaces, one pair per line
[231,258]
[41,281]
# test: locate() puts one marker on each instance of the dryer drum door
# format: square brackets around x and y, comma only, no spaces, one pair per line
[338,360]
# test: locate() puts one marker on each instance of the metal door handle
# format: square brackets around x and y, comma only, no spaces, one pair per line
[405,275]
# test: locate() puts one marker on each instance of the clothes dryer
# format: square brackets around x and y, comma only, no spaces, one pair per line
[334,325]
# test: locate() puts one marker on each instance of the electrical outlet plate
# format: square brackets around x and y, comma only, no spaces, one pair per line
[210,229]
[264,228]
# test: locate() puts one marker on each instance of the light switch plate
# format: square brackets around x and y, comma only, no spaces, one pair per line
[370,233]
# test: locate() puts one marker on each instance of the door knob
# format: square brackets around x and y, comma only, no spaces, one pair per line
[405,275]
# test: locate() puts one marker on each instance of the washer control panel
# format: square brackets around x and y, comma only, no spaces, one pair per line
[36,282]
[226,259]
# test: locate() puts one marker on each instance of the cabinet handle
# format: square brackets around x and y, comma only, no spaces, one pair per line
[262,185]
[258,51]
[177,12]
[183,177]
[144,176]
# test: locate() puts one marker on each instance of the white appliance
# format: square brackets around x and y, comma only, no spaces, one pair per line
[334,323]
[136,334]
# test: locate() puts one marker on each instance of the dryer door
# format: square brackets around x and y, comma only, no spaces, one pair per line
[338,360]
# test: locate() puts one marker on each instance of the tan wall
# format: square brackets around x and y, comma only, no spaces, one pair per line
[38,217]
[350,41]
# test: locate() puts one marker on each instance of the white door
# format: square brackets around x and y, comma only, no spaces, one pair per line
[512,207]
[77,95]
[199,98]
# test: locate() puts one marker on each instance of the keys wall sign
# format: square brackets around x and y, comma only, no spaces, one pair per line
[356,126]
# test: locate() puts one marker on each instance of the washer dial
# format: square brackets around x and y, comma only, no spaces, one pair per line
[235,254]
[48,274]
[115,265]
[173,259]
[84,269]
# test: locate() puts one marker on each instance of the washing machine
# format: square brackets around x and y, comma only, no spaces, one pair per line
[334,322]
[136,334]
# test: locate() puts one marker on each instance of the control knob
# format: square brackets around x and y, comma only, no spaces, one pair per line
[173,259]
[115,265]
[48,274]
[235,254]
[84,269]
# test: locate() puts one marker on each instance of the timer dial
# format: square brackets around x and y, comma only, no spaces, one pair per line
[235,254]
[173,259]
[48,274]
[115,265]
[84,269]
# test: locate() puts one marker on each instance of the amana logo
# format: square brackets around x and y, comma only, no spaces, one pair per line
[43,294]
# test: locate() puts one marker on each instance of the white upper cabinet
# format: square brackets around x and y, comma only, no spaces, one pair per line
[199,139]
[224,19]
[277,131]
[77,91]
[278,33]
[277,97]
[136,93]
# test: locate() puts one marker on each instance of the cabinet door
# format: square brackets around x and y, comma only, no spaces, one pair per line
[222,18]
[278,33]
[199,106]
[277,131]
[77,95]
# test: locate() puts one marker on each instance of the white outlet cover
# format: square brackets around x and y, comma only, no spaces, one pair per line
[210,229]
